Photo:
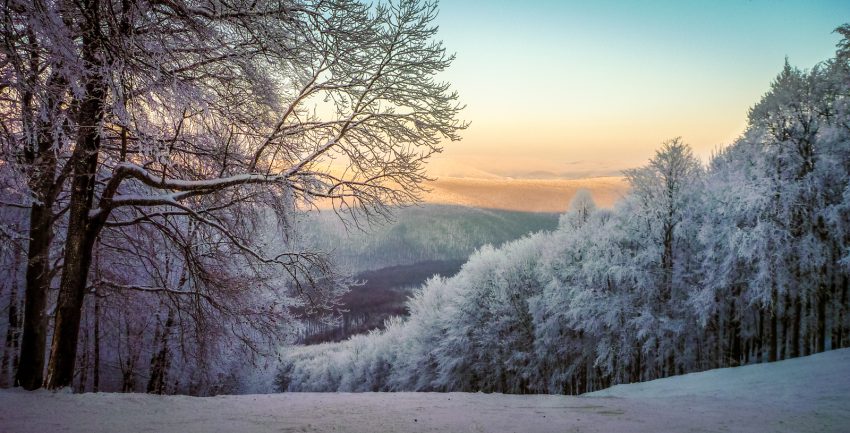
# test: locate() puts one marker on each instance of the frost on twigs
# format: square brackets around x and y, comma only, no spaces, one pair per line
[173,144]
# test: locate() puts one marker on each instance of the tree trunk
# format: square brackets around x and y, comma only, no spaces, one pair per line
[842,311]
[671,364]
[44,186]
[63,351]
[31,368]
[821,328]
[81,234]
[698,348]
[128,366]
[808,338]
[84,360]
[636,377]
[734,337]
[774,337]
[579,385]
[160,361]
[718,341]
[845,287]
[783,345]
[760,339]
[96,361]
[795,330]
[10,347]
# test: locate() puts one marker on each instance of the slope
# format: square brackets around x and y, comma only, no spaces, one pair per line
[810,394]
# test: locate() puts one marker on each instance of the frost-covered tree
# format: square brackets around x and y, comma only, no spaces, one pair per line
[580,210]
[196,119]
[35,116]
[651,224]
[660,193]
[13,223]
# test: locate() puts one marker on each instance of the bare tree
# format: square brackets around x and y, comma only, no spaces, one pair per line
[209,112]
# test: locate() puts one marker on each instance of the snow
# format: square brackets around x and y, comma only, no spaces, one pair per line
[799,395]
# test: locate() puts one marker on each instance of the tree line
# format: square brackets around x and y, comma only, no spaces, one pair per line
[743,260]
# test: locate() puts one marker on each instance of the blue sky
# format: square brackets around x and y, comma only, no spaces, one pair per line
[555,84]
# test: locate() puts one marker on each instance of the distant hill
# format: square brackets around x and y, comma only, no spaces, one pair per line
[419,234]
[382,294]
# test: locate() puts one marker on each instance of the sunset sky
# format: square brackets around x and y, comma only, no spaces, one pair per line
[572,89]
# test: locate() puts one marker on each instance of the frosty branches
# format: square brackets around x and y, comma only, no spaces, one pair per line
[201,120]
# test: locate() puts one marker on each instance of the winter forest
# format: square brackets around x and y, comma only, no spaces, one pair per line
[191,190]
[745,260]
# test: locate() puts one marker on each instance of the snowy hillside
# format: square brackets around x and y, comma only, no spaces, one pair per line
[810,394]
[814,379]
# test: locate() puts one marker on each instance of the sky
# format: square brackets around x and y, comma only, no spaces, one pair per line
[572,89]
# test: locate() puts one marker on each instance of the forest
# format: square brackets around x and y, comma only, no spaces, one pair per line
[744,260]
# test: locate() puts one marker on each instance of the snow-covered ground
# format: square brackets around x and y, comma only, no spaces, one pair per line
[809,394]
